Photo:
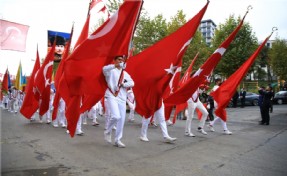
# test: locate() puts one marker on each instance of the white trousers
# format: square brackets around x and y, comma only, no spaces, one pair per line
[60,119]
[159,116]
[224,125]
[79,124]
[48,115]
[107,114]
[11,105]
[85,117]
[191,109]
[93,114]
[117,111]
[132,107]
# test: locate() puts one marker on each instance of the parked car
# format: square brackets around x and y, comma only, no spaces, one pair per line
[250,99]
[280,97]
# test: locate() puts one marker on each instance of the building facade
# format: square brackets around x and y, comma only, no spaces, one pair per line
[207,28]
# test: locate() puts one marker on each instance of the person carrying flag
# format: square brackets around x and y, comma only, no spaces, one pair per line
[118,81]
[159,115]
[218,82]
[193,103]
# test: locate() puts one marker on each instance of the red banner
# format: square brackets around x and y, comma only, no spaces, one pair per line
[13,36]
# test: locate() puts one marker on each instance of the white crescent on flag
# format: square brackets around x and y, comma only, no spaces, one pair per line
[183,47]
[221,51]
[178,70]
[45,72]
[8,29]
[108,27]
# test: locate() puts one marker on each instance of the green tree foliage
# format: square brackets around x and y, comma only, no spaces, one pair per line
[263,61]
[149,31]
[241,48]
[278,55]
[176,22]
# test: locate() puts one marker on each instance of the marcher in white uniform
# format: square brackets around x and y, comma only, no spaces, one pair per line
[193,103]
[132,105]
[223,123]
[20,98]
[94,111]
[13,93]
[160,118]
[5,101]
[116,96]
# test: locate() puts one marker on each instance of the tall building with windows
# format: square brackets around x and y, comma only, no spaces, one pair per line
[207,28]
[269,43]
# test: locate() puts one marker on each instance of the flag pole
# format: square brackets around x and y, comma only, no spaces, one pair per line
[121,75]
[248,9]
[126,57]
[273,30]
[89,8]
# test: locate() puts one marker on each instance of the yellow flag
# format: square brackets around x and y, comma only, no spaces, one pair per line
[18,82]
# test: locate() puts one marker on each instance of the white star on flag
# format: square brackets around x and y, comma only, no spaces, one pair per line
[197,73]
[171,69]
[47,82]
[207,77]
[221,51]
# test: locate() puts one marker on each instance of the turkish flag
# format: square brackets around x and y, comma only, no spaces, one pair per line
[199,77]
[181,107]
[30,103]
[42,82]
[108,41]
[172,86]
[226,90]
[153,68]
[98,6]
[13,36]
[84,34]
[59,74]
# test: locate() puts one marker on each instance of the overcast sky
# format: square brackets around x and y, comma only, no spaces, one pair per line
[58,15]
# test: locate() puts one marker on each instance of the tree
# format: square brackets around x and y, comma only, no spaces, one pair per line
[241,48]
[149,31]
[263,61]
[278,55]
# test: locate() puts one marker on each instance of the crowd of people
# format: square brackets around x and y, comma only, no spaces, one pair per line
[119,94]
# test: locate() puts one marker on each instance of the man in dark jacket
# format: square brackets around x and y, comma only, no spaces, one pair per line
[242,97]
[260,102]
[267,95]
[235,99]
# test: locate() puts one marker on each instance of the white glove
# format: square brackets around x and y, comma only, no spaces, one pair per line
[123,65]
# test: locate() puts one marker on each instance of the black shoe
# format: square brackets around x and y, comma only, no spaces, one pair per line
[262,123]
[266,123]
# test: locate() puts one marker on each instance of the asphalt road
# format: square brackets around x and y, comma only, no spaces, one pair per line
[35,149]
